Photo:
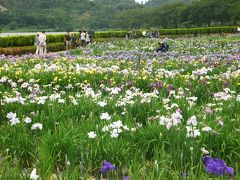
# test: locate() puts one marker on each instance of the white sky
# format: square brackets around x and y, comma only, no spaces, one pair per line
[140,1]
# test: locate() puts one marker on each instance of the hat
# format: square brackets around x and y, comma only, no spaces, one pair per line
[38,33]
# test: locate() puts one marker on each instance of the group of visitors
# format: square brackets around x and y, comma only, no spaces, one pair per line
[150,34]
[131,34]
[41,43]
[72,41]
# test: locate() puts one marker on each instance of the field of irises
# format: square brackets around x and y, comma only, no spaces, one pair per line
[119,110]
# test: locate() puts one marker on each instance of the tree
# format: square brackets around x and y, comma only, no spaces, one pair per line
[13,25]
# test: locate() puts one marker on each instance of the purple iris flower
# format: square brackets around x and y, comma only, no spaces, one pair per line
[170,87]
[225,83]
[217,166]
[127,178]
[107,166]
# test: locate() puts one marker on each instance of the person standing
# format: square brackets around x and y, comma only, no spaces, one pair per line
[45,44]
[36,43]
[90,33]
[144,33]
[88,40]
[42,43]
[156,34]
[68,41]
[74,41]
[134,34]
[82,38]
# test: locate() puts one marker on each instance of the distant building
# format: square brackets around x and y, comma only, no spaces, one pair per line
[2,8]
[141,1]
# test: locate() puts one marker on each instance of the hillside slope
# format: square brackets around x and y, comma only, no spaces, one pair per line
[62,14]
[162,2]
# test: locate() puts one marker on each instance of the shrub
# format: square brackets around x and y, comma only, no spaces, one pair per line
[53,47]
[16,41]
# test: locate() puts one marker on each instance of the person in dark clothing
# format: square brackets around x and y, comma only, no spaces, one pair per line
[156,34]
[88,38]
[74,41]
[163,47]
[68,41]
[91,33]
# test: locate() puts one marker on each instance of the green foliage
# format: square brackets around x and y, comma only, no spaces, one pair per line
[123,14]
[62,15]
[179,14]
[204,30]
[16,41]
[9,170]
[64,95]
[52,47]
[178,31]
[55,38]
[13,25]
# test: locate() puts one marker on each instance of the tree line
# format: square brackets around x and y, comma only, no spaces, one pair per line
[179,14]
[62,15]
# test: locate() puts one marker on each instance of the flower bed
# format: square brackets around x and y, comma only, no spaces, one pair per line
[120,110]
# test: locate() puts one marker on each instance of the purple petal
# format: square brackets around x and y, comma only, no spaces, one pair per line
[112,167]
[127,178]
[229,170]
[211,168]
[217,166]
[104,169]
[107,166]
[219,162]
[219,170]
[206,160]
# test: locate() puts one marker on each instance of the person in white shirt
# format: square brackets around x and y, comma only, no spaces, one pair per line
[36,43]
[42,43]
[82,38]
[238,29]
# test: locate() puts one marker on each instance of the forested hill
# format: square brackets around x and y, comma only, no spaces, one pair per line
[62,15]
[162,2]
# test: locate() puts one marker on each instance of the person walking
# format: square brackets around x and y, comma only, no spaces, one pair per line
[68,41]
[42,43]
[36,43]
